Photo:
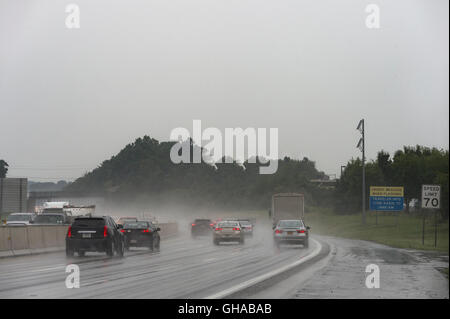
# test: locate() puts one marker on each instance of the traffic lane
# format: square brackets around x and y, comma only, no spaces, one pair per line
[34,270]
[190,276]
[27,271]
[281,284]
[184,268]
[228,251]
[403,273]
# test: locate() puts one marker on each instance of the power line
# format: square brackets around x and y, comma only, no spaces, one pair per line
[45,178]
[47,169]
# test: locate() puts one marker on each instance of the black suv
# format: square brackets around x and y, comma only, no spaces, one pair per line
[100,234]
[201,227]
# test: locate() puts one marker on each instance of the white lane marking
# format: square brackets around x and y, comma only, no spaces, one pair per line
[95,283]
[47,269]
[265,276]
[210,260]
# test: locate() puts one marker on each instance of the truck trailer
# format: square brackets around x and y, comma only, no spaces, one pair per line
[287,206]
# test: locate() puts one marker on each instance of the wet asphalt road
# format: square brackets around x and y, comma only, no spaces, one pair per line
[195,268]
[403,274]
[184,268]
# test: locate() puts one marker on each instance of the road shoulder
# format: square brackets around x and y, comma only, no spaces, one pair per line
[403,273]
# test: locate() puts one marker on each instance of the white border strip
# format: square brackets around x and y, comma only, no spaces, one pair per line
[266,276]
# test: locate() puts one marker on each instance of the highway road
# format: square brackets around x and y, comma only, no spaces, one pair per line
[195,268]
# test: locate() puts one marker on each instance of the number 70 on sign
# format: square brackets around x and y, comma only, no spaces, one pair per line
[431,196]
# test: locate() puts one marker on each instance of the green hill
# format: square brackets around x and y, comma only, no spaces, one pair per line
[143,170]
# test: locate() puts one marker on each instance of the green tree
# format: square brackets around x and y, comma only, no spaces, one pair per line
[144,169]
[3,168]
[414,166]
[348,195]
[384,162]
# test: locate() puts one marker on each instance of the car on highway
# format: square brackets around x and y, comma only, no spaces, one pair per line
[124,219]
[52,219]
[94,234]
[229,230]
[141,234]
[247,227]
[291,231]
[201,227]
[17,219]
[214,222]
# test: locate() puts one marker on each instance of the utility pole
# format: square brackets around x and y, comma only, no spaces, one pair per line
[361,145]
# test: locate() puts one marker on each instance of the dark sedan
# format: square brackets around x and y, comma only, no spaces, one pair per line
[201,227]
[141,234]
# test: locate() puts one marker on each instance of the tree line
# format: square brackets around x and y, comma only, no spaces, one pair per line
[3,168]
[143,170]
[410,167]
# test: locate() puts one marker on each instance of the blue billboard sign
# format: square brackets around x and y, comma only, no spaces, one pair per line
[386,198]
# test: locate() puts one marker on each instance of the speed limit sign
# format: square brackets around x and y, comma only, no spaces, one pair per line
[431,196]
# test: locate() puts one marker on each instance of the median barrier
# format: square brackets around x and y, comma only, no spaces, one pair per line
[19,238]
[5,242]
[34,239]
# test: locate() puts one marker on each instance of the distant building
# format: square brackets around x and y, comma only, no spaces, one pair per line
[326,182]
[13,195]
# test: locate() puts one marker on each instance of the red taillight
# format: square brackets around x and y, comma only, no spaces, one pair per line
[122,230]
[236,228]
[278,231]
[219,228]
[146,231]
[69,231]
[105,231]
[193,224]
[301,231]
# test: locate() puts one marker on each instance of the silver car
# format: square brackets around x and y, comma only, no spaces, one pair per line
[291,231]
[247,227]
[228,231]
[17,219]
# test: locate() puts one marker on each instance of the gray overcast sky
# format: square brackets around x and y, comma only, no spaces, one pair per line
[70,98]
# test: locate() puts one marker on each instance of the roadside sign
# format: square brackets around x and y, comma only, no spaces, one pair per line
[431,196]
[386,198]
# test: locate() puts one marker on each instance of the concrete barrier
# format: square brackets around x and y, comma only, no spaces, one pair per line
[19,238]
[5,242]
[35,239]
[51,236]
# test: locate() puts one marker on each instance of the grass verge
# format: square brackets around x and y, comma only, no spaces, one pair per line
[404,231]
[444,271]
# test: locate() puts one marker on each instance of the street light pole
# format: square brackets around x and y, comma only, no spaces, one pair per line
[362,146]
[363,176]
